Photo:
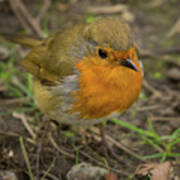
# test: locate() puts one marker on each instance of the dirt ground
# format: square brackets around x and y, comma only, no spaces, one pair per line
[157,33]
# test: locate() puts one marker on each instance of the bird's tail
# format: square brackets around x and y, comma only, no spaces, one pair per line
[24,40]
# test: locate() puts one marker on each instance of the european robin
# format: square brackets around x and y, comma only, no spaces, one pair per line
[85,74]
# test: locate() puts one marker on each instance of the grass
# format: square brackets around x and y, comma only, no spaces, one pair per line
[27,161]
[157,75]
[164,145]
[90,18]
[19,84]
[25,154]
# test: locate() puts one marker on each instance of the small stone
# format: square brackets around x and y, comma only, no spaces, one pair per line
[85,171]
[4,53]
[174,74]
[7,175]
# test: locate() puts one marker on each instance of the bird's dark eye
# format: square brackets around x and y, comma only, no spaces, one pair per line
[102,53]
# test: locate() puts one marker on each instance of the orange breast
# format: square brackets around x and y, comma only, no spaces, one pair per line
[105,88]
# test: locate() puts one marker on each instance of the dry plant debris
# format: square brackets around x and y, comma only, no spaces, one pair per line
[110,176]
[7,175]
[155,171]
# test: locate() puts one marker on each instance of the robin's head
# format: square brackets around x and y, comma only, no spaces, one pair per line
[108,42]
[110,73]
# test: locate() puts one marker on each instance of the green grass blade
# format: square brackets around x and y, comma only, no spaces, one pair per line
[134,128]
[153,156]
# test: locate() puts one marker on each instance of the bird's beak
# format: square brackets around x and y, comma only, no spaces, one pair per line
[129,64]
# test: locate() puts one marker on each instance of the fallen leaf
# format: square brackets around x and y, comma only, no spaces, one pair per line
[110,176]
[156,171]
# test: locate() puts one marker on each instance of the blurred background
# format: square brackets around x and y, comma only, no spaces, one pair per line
[151,127]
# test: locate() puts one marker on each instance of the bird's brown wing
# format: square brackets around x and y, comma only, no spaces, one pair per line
[48,59]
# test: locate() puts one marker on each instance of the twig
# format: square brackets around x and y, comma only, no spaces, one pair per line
[119,145]
[31,141]
[39,147]
[26,158]
[158,52]
[161,118]
[155,93]
[15,135]
[107,144]
[171,60]
[107,9]
[174,50]
[9,134]
[148,108]
[25,123]
[25,17]
[175,29]
[58,148]
[49,169]
[103,165]
[15,101]
[44,9]
[127,150]
[14,6]
[51,175]
[91,158]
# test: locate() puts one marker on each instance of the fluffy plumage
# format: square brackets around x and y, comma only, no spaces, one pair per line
[73,84]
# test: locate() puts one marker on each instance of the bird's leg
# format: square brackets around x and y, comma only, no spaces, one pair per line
[106,145]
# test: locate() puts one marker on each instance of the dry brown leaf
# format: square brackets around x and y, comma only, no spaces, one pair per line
[156,171]
[110,176]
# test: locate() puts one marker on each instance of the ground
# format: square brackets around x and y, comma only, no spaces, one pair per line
[148,132]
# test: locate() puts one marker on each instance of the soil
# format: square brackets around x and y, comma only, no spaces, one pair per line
[159,101]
